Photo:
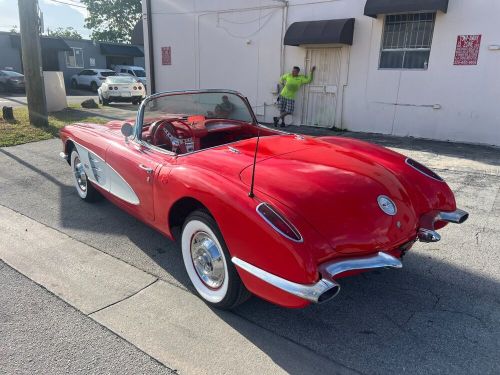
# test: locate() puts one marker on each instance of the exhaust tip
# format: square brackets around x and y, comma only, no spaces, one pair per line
[329,294]
[427,235]
[463,218]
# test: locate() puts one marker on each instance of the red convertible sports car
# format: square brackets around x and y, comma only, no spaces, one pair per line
[260,211]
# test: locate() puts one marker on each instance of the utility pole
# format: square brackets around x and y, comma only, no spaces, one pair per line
[32,61]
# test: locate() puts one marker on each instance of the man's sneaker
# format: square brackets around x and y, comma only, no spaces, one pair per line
[282,125]
[275,120]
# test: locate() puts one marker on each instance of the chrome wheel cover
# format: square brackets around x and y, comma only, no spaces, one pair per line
[208,260]
[80,176]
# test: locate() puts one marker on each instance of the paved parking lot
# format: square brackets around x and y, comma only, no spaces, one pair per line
[440,314]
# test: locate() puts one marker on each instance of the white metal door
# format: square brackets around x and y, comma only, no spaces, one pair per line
[320,96]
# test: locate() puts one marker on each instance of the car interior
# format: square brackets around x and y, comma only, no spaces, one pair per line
[187,134]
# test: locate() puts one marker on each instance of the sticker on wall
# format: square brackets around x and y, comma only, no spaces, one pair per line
[92,61]
[467,52]
[166,55]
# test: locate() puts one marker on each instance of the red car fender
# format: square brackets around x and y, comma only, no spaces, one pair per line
[246,234]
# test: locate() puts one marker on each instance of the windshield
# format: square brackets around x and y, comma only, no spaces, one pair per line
[139,73]
[120,79]
[210,105]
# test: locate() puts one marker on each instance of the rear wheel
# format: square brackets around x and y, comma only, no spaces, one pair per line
[83,186]
[208,263]
[74,84]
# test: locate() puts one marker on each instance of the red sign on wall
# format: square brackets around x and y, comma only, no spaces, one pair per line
[467,51]
[166,55]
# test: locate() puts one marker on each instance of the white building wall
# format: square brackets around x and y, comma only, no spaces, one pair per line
[237,44]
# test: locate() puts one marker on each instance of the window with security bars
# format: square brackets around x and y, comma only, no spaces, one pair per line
[406,42]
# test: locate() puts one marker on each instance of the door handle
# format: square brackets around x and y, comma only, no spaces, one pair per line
[146,168]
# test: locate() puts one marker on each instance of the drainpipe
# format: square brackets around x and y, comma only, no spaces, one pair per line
[149,20]
[283,31]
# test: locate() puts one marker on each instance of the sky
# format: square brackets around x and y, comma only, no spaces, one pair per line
[55,15]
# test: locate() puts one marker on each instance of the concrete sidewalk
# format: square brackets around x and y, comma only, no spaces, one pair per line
[40,334]
[166,322]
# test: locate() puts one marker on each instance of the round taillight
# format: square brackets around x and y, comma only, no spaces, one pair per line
[135,87]
[139,87]
[423,169]
[278,222]
[110,88]
[116,88]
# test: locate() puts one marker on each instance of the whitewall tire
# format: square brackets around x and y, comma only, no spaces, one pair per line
[208,263]
[83,186]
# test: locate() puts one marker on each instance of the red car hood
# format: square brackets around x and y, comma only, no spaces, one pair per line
[335,190]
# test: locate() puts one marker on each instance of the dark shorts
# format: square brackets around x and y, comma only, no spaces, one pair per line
[286,105]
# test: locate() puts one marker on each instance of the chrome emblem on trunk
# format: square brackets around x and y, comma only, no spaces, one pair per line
[387,205]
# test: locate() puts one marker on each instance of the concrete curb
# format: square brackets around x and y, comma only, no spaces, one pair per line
[169,324]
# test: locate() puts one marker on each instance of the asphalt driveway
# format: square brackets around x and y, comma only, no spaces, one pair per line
[440,314]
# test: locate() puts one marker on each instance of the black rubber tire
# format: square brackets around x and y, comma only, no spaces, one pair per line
[91,194]
[93,86]
[74,84]
[105,101]
[236,293]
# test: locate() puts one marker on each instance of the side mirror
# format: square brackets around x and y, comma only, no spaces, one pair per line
[127,130]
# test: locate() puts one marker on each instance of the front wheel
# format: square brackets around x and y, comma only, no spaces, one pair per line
[93,86]
[208,263]
[83,186]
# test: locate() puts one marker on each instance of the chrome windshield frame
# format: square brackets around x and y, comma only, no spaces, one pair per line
[140,113]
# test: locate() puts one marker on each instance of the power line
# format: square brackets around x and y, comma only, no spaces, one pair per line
[72,4]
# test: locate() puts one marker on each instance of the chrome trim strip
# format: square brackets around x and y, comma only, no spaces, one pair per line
[456,217]
[380,260]
[290,225]
[311,292]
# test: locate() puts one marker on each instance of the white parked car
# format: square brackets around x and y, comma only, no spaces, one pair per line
[138,72]
[91,78]
[121,88]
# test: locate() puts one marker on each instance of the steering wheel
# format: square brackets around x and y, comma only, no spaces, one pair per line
[168,136]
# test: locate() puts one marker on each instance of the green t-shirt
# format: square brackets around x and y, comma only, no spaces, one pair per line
[292,84]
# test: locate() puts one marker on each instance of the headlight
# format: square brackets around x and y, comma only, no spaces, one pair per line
[423,169]
[278,222]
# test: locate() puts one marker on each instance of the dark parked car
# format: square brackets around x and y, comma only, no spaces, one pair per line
[11,81]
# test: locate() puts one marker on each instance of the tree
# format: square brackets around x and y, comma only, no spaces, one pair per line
[68,32]
[112,20]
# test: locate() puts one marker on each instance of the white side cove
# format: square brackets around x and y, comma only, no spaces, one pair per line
[105,176]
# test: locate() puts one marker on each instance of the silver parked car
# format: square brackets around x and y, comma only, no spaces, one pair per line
[91,78]
[11,81]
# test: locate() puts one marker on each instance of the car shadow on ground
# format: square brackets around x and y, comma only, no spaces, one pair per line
[430,317]
[387,321]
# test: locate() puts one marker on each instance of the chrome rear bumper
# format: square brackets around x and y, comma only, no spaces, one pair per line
[426,233]
[325,289]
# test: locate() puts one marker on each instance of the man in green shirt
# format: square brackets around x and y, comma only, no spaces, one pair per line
[291,84]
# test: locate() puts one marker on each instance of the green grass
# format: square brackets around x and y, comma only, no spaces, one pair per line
[21,131]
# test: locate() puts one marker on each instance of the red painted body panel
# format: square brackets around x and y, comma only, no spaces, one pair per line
[326,187]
